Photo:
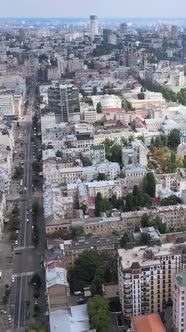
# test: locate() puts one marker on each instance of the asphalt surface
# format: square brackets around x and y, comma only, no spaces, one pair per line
[26,258]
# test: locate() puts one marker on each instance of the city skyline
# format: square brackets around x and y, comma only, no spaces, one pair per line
[73,8]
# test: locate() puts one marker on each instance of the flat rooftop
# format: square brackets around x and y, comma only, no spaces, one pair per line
[139,255]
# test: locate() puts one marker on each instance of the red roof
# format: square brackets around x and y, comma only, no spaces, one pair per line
[147,323]
[91,200]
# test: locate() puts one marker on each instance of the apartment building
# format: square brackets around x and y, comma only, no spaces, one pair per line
[57,286]
[135,154]
[179,302]
[146,277]
[173,216]
[97,153]
[73,248]
[135,174]
[55,174]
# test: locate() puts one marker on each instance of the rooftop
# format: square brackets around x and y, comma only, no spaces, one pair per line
[147,323]
[77,321]
[180,279]
[145,255]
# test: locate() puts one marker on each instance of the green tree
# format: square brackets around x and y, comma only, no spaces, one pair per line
[36,280]
[174,138]
[99,108]
[59,154]
[77,231]
[98,204]
[141,96]
[145,238]
[184,162]
[125,238]
[149,184]
[101,177]
[90,264]
[173,157]
[98,311]
[35,208]
[96,286]
[145,222]
[171,200]
[35,327]
[94,90]
[86,161]
[162,227]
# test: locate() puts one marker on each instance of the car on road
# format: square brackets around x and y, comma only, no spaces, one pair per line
[9,318]
[25,188]
[13,279]
[16,242]
[77,293]
[17,231]
[81,300]
[3,311]
[27,220]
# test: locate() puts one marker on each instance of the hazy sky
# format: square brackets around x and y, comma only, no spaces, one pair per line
[83,8]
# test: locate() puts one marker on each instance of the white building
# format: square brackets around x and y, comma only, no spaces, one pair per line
[110,169]
[134,175]
[107,101]
[136,153]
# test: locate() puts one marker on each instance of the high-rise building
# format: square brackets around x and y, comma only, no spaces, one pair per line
[179,302]
[146,276]
[63,100]
[93,26]
[123,28]
[174,32]
[109,37]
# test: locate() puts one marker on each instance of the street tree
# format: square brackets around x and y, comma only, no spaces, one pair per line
[98,311]
[145,222]
[145,238]
[149,184]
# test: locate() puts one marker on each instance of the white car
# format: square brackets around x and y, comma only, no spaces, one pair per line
[27,220]
[17,232]
[13,279]
[9,318]
[16,242]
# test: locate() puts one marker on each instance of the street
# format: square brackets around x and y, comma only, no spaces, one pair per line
[26,258]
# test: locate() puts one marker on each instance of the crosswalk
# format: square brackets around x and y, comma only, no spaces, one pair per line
[22,274]
[23,248]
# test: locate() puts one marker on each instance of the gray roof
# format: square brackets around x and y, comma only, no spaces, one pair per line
[74,320]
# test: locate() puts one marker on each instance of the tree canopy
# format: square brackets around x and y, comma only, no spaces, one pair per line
[91,266]
[171,200]
[174,138]
[98,311]
[149,184]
